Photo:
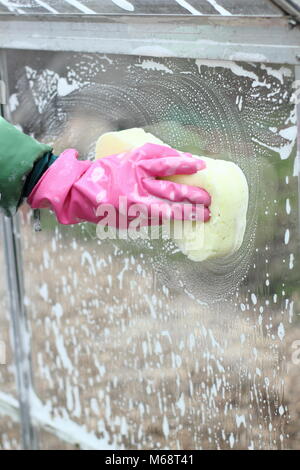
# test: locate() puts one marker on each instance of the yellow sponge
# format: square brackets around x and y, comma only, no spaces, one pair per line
[223,234]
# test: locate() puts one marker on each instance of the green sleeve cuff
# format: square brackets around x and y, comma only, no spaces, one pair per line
[18,154]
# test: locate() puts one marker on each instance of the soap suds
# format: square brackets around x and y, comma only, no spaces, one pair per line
[150,64]
[201,118]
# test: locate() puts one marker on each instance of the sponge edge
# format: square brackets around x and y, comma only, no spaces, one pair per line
[123,141]
[223,234]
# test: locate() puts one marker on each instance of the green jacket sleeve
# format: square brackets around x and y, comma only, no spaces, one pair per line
[18,154]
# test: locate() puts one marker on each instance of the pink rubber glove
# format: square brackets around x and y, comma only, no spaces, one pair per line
[75,190]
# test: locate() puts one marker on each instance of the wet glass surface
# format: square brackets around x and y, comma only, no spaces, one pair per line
[9,434]
[132,343]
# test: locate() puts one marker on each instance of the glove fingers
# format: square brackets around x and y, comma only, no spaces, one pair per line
[156,151]
[177,192]
[168,166]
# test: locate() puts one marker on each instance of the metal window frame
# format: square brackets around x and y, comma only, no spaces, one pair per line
[10,228]
[297,166]
[291,7]
[250,39]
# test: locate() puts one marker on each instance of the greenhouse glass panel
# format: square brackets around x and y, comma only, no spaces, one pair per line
[133,344]
[9,434]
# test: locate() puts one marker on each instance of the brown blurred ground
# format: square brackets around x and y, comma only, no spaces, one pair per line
[124,373]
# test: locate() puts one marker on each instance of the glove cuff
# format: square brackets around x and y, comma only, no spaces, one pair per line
[39,168]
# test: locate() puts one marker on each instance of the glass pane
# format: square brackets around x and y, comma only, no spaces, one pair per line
[174,7]
[9,434]
[48,441]
[133,341]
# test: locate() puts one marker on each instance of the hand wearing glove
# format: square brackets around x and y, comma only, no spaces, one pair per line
[75,190]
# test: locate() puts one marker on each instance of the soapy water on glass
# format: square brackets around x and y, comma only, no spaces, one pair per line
[193,113]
